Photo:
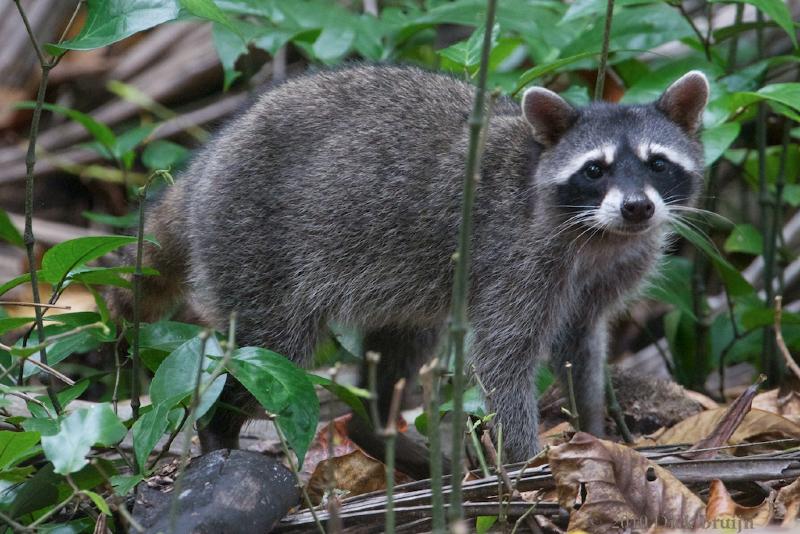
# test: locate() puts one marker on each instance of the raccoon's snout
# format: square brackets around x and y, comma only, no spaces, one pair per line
[637,208]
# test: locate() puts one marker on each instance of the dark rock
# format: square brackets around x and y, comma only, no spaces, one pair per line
[223,492]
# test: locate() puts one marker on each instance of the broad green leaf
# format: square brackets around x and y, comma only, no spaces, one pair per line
[791,194]
[98,501]
[147,430]
[14,282]
[468,53]
[77,433]
[229,47]
[39,491]
[109,21]
[282,389]
[124,484]
[16,447]
[731,277]
[162,154]
[745,238]
[176,376]
[716,140]
[208,10]
[101,133]
[540,70]
[484,523]
[778,10]
[348,394]
[108,276]
[593,8]
[9,232]
[12,323]
[68,255]
[65,396]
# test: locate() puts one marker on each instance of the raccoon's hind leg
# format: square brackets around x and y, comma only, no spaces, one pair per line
[402,352]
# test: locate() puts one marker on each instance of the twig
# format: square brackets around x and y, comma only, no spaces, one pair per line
[428,377]
[471,427]
[573,404]
[373,358]
[30,163]
[614,408]
[703,41]
[334,523]
[787,356]
[601,69]
[390,435]
[33,304]
[24,396]
[458,316]
[18,527]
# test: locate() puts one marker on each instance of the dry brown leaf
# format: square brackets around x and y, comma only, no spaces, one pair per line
[355,473]
[319,451]
[757,425]
[557,435]
[789,500]
[623,489]
[703,400]
[722,510]
[787,406]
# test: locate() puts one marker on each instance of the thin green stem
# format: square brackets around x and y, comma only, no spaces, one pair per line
[459,319]
[429,378]
[601,69]
[137,304]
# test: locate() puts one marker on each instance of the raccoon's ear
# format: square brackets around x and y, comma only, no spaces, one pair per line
[684,101]
[549,114]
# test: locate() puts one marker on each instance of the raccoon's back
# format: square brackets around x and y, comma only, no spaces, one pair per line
[340,181]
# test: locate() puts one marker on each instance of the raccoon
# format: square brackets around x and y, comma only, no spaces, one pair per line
[336,197]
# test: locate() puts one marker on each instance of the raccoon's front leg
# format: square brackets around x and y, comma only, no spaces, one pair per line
[505,366]
[585,347]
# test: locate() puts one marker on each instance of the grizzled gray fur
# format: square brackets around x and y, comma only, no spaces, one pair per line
[337,196]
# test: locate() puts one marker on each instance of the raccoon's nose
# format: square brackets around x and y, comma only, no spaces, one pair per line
[637,208]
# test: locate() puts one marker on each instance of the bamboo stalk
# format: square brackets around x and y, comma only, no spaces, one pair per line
[458,317]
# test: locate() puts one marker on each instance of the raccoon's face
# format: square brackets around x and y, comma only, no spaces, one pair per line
[620,169]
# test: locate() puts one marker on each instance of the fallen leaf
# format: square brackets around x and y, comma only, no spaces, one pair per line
[703,400]
[623,490]
[727,425]
[789,501]
[787,406]
[354,473]
[319,450]
[757,425]
[722,509]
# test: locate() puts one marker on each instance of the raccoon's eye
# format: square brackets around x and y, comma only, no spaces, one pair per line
[593,171]
[658,164]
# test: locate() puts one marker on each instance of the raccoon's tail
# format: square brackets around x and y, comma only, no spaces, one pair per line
[159,293]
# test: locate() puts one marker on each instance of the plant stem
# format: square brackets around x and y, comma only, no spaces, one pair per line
[459,320]
[390,434]
[733,51]
[601,69]
[573,404]
[429,378]
[137,304]
[614,408]
[30,163]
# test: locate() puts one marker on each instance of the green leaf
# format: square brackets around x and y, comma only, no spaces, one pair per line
[778,10]
[68,255]
[16,447]
[176,376]
[124,484]
[77,432]
[124,221]
[101,133]
[540,70]
[9,232]
[147,430]
[108,276]
[484,523]
[229,47]
[716,140]
[282,389]
[162,154]
[745,238]
[468,53]
[208,10]
[98,501]
[109,21]
[672,284]
[348,394]
[39,491]
[731,277]
[14,282]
